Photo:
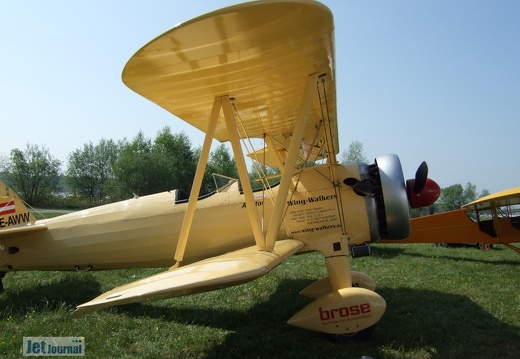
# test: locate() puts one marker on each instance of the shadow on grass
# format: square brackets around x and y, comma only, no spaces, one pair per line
[68,292]
[389,253]
[417,323]
[451,325]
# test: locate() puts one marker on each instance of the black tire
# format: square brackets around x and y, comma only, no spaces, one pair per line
[357,337]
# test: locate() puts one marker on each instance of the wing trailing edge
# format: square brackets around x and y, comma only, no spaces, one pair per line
[214,273]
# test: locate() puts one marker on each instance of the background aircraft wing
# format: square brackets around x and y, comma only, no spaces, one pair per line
[260,54]
[218,272]
[503,198]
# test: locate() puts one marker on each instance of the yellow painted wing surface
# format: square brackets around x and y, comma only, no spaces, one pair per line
[214,273]
[503,198]
[258,53]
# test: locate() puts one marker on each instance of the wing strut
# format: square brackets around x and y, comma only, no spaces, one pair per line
[332,162]
[197,182]
[224,103]
[263,243]
[290,162]
[242,174]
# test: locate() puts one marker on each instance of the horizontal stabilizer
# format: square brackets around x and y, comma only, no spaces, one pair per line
[15,218]
[214,273]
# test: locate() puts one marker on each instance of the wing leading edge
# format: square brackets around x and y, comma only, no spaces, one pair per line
[214,273]
[507,197]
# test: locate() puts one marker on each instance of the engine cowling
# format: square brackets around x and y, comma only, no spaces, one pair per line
[389,198]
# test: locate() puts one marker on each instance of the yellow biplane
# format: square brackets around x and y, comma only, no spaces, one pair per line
[488,221]
[260,70]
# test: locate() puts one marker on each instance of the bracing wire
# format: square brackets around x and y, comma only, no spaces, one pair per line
[331,156]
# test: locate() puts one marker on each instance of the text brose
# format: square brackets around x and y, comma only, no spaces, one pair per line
[344,311]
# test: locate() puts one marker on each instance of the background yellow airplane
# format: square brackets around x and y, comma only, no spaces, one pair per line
[487,221]
[260,70]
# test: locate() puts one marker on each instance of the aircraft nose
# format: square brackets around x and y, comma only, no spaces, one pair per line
[426,197]
[422,191]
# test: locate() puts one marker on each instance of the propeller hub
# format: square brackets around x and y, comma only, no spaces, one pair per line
[426,196]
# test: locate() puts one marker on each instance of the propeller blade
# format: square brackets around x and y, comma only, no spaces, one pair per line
[420,177]
[422,191]
[362,188]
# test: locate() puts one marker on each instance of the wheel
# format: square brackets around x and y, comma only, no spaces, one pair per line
[485,246]
[360,336]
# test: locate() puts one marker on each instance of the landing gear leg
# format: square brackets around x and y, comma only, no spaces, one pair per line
[346,312]
[340,273]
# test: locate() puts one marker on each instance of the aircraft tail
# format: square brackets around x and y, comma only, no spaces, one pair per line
[13,212]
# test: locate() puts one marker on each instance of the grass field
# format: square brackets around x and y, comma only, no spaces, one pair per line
[441,303]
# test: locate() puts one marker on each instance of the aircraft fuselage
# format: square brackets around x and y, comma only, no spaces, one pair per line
[143,231]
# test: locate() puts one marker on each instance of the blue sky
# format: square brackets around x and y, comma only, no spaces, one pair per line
[428,80]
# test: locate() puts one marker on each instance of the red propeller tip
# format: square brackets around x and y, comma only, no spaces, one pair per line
[426,197]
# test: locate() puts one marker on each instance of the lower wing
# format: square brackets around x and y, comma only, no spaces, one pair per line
[214,273]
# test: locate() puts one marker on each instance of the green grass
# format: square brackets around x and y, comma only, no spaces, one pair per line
[441,303]
[49,213]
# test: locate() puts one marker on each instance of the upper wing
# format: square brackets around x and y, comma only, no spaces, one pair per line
[502,198]
[260,54]
[213,273]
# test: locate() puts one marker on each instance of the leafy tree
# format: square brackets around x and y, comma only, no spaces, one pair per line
[354,154]
[423,211]
[455,196]
[208,184]
[483,193]
[89,170]
[176,158]
[146,167]
[221,162]
[264,171]
[135,167]
[33,173]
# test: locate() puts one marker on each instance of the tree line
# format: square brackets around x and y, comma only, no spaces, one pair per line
[114,170]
